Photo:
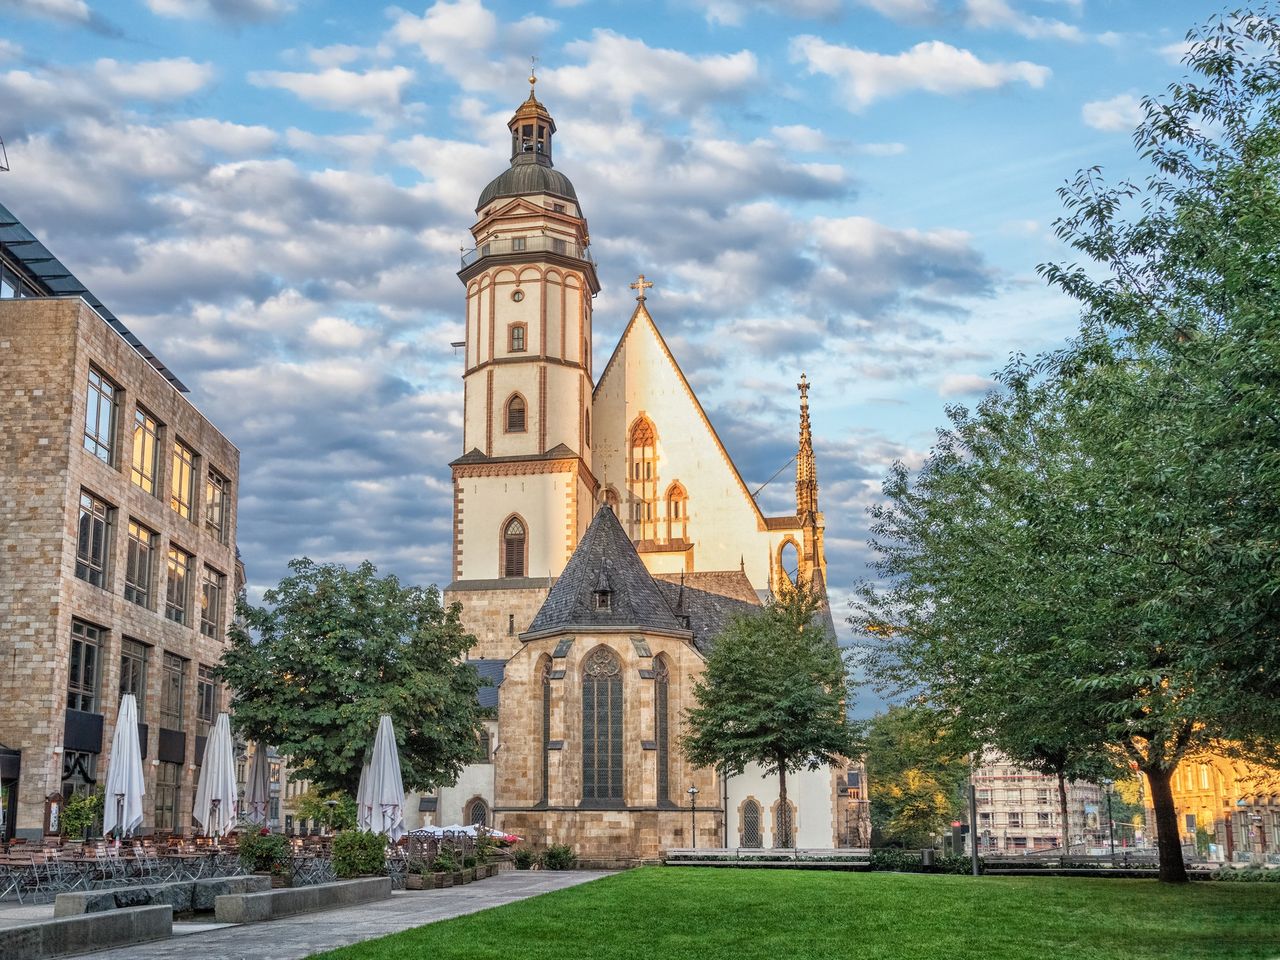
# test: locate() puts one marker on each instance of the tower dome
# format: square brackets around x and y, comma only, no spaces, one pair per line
[531,169]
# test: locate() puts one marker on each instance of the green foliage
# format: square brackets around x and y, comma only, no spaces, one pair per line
[524,858]
[334,649]
[485,847]
[774,692]
[445,862]
[654,913]
[313,806]
[357,853]
[81,812]
[558,856]
[268,851]
[902,861]
[1247,875]
[915,776]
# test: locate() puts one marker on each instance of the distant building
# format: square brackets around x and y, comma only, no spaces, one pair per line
[1019,810]
[118,562]
[1228,808]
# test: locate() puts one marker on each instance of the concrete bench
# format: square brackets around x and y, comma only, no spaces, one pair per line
[64,936]
[185,896]
[273,904]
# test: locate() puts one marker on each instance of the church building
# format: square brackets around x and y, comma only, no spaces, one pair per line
[602,538]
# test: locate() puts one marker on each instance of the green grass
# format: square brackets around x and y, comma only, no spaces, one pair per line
[706,914]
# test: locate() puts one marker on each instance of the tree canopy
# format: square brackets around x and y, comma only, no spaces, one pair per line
[773,693]
[1085,568]
[334,649]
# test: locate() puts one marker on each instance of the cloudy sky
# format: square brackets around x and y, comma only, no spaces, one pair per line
[272,194]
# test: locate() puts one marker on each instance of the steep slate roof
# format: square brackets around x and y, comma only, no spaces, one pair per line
[708,611]
[474,455]
[491,670]
[605,551]
[731,584]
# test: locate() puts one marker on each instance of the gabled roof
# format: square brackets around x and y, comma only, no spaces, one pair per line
[642,312]
[708,601]
[605,558]
[23,245]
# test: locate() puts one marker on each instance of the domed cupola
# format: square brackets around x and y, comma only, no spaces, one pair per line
[531,170]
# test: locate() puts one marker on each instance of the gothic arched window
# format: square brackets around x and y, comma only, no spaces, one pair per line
[545,674]
[478,813]
[586,427]
[516,414]
[514,545]
[677,512]
[784,824]
[662,725]
[642,479]
[602,726]
[751,824]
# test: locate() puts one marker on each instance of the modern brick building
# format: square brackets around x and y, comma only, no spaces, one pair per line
[118,563]
[1019,810]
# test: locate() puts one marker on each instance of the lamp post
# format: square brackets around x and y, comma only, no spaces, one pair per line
[332,805]
[1111,822]
[693,814]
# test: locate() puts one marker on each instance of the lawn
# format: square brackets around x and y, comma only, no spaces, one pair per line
[706,914]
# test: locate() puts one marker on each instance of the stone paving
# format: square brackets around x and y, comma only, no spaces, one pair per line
[297,937]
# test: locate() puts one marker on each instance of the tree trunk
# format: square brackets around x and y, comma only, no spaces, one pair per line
[1064,813]
[784,809]
[1168,837]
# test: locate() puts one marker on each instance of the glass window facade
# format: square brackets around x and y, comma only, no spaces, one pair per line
[182,489]
[213,590]
[178,588]
[216,489]
[100,417]
[93,546]
[133,673]
[139,571]
[207,699]
[172,691]
[168,796]
[146,451]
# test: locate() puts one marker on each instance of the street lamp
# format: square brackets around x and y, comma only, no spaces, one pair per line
[693,814]
[332,804]
[1111,822]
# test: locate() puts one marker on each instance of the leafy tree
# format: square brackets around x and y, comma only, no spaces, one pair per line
[336,648]
[314,806]
[916,778]
[773,693]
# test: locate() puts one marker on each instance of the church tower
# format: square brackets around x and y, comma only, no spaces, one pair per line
[523,489]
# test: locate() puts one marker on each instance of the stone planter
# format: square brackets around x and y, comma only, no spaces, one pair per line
[469,875]
[415,881]
[442,880]
[281,880]
[457,878]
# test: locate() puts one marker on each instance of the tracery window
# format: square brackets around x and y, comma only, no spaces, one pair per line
[784,824]
[602,726]
[751,824]
[478,813]
[516,414]
[643,479]
[514,542]
[662,725]
[677,512]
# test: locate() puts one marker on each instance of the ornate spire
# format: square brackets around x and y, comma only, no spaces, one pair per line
[806,467]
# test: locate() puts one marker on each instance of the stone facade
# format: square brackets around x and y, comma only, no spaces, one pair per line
[48,346]
[1236,804]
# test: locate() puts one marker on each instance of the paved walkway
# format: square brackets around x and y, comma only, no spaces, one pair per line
[296,937]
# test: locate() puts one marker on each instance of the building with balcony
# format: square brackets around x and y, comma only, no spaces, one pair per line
[118,562]
[1019,810]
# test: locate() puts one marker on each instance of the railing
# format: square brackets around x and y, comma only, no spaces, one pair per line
[517,245]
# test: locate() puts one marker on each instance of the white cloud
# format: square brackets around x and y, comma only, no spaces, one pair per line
[904,11]
[1120,114]
[998,14]
[932,66]
[67,11]
[230,11]
[731,13]
[1174,52]
[226,137]
[964,384]
[373,91]
[9,50]
[153,80]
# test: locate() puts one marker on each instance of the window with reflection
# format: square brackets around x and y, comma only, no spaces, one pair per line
[182,488]
[173,691]
[133,673]
[146,451]
[93,542]
[178,588]
[84,676]
[514,542]
[207,699]
[602,726]
[213,590]
[516,414]
[100,416]
[216,499]
[138,566]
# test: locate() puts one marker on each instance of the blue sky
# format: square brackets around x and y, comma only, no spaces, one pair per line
[272,194]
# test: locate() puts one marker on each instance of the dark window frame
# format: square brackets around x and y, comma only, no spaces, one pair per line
[134,655]
[93,540]
[102,402]
[177,594]
[144,470]
[603,770]
[182,485]
[84,675]
[139,570]
[173,691]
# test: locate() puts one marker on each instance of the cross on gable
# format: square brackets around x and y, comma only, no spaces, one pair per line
[641,284]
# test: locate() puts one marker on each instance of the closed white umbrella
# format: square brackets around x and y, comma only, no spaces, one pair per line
[364,806]
[122,806]
[385,786]
[257,789]
[216,792]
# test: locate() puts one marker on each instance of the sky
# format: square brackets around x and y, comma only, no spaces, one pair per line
[273,194]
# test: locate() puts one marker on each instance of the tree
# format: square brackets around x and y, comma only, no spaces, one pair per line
[314,806]
[773,693]
[915,777]
[336,648]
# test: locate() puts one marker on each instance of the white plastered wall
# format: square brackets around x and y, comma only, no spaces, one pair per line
[545,501]
[810,791]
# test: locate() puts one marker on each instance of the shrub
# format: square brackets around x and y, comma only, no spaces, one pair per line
[444,862]
[524,858]
[264,851]
[81,812]
[558,856]
[901,861]
[357,853]
[485,846]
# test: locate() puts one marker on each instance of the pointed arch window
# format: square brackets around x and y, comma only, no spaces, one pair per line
[677,512]
[602,726]
[545,674]
[784,825]
[751,824]
[662,725]
[586,427]
[478,813]
[642,479]
[516,420]
[514,548]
